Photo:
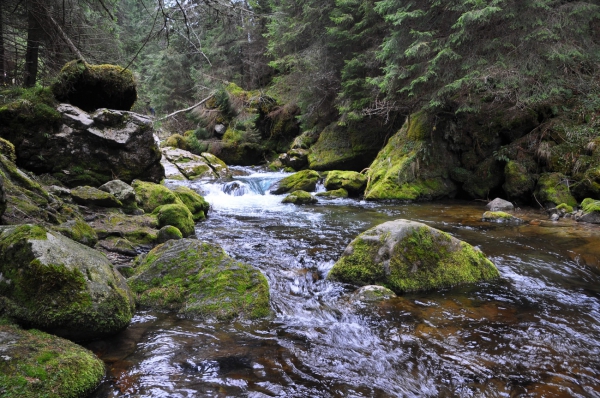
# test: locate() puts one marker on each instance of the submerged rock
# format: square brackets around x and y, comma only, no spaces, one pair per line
[300,198]
[198,280]
[372,293]
[58,285]
[305,180]
[35,364]
[92,87]
[500,217]
[407,256]
[499,205]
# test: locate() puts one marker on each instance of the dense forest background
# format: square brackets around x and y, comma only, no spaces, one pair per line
[510,87]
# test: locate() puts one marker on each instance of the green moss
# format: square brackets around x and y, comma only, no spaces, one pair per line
[150,195]
[351,181]
[168,232]
[422,259]
[589,205]
[79,231]
[193,201]
[336,193]
[305,180]
[178,216]
[8,149]
[38,365]
[553,188]
[177,141]
[518,183]
[299,198]
[500,216]
[199,280]
[565,207]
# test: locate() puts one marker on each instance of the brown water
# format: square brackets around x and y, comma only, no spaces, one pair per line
[534,332]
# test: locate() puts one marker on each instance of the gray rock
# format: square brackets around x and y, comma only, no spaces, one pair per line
[121,190]
[90,196]
[52,283]
[206,166]
[220,130]
[499,205]
[295,158]
[554,217]
[372,293]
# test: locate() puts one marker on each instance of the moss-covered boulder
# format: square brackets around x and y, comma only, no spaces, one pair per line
[336,193]
[193,201]
[414,165]
[590,211]
[353,182]
[300,198]
[349,147]
[150,195]
[552,189]
[305,180]
[138,229]
[168,232]
[90,196]
[91,87]
[198,280]
[518,183]
[500,217]
[407,256]
[34,364]
[177,215]
[297,158]
[79,231]
[53,283]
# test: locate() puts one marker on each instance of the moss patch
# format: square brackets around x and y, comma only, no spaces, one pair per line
[351,181]
[178,216]
[199,280]
[305,180]
[151,195]
[34,364]
[193,201]
[553,188]
[300,198]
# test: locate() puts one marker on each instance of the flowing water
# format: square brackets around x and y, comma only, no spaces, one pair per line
[533,332]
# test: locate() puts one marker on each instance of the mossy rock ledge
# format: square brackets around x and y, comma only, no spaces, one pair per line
[34,364]
[351,181]
[198,280]
[58,285]
[407,256]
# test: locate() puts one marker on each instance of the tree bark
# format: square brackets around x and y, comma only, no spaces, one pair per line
[34,36]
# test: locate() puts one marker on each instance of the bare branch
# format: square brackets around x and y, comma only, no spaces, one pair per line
[186,109]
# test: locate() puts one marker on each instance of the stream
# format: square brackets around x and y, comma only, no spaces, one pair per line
[533,332]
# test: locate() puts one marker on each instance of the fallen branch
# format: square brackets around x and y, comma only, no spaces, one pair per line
[186,109]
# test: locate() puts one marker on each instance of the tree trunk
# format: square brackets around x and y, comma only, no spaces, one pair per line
[34,36]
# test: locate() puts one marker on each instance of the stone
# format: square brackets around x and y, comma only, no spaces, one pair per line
[79,231]
[499,205]
[300,198]
[90,196]
[590,211]
[518,183]
[193,201]
[414,165]
[220,129]
[139,229]
[353,182]
[36,364]
[168,232]
[305,180]
[552,189]
[295,158]
[500,217]
[150,195]
[177,215]
[372,293]
[407,256]
[196,166]
[198,280]
[55,284]
[336,193]
[121,190]
[92,87]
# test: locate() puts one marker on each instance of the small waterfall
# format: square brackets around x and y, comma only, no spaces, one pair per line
[235,188]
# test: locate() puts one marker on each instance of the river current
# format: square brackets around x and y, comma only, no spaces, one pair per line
[534,332]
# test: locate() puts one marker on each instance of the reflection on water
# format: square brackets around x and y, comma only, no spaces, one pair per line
[534,332]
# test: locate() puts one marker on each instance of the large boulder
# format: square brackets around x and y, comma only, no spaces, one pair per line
[553,189]
[204,166]
[305,180]
[150,195]
[349,147]
[90,149]
[407,256]
[53,283]
[414,165]
[92,87]
[351,181]
[198,280]
[193,201]
[35,364]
